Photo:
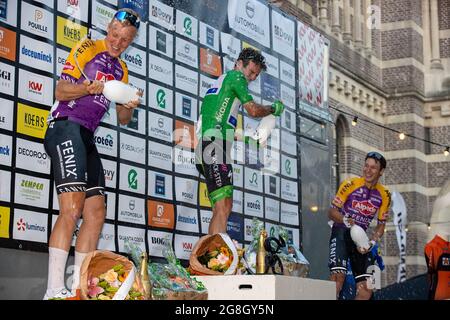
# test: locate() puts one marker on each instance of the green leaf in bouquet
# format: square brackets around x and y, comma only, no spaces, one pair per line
[112,289]
[103,284]
[118,267]
[134,294]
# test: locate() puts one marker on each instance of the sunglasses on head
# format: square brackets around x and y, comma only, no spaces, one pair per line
[131,18]
[377,156]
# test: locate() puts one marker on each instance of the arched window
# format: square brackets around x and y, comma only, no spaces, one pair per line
[342,131]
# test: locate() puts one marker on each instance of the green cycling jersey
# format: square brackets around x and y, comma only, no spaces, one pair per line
[220,107]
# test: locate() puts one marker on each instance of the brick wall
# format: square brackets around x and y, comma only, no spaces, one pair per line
[392,141]
[376,43]
[406,170]
[417,206]
[403,79]
[401,10]
[444,48]
[415,242]
[401,43]
[444,14]
[439,135]
[364,131]
[431,201]
[403,105]
[354,62]
[438,174]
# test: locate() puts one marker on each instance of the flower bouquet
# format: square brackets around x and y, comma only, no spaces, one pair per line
[214,255]
[106,285]
[170,281]
[218,259]
[105,275]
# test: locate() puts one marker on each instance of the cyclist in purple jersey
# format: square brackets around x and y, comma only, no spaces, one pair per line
[69,140]
[358,201]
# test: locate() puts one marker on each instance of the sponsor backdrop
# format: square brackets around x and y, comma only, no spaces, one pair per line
[154,193]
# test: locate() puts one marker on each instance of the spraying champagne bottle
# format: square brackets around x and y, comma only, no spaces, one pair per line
[261,254]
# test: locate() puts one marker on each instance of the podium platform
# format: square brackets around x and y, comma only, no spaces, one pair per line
[267,287]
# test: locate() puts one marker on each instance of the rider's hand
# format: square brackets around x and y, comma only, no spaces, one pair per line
[131,104]
[277,108]
[94,87]
[349,222]
[366,250]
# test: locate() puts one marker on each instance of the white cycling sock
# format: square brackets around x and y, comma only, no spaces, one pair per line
[56,268]
[79,257]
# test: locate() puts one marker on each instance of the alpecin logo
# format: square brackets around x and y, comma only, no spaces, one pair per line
[364,207]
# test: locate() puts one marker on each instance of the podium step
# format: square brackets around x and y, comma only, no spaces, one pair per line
[267,287]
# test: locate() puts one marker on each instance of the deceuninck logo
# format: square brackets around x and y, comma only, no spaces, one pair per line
[132,179]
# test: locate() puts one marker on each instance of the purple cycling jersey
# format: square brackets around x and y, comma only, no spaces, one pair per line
[95,61]
[360,203]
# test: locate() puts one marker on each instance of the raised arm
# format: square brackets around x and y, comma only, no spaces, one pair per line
[258,110]
[67,90]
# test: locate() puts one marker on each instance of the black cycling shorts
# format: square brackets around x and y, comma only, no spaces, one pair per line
[76,164]
[213,162]
[342,249]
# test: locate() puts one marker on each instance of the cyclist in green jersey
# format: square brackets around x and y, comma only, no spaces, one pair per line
[216,127]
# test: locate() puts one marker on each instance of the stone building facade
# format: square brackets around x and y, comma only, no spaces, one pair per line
[390,65]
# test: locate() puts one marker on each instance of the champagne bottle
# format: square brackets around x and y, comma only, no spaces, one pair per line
[144,276]
[261,254]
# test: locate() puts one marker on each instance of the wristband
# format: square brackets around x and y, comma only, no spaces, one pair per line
[277,108]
